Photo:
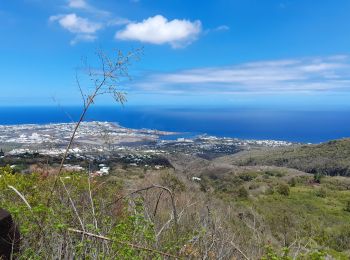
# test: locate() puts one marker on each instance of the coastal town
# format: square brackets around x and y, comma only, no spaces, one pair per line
[105,144]
[104,137]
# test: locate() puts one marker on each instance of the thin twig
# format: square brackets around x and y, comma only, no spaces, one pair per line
[156,207]
[92,202]
[72,204]
[239,250]
[21,196]
[80,89]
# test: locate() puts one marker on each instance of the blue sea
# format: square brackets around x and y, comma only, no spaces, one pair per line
[245,123]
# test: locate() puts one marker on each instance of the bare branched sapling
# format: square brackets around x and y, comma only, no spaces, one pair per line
[105,80]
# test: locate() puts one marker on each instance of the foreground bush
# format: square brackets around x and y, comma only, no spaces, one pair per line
[78,204]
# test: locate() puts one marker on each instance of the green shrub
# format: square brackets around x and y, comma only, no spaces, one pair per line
[133,227]
[172,182]
[270,190]
[243,193]
[271,254]
[340,239]
[6,170]
[292,182]
[254,186]
[274,173]
[248,176]
[347,206]
[44,229]
[318,177]
[321,192]
[283,189]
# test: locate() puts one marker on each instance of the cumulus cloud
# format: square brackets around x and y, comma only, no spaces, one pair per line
[158,30]
[295,75]
[83,28]
[76,24]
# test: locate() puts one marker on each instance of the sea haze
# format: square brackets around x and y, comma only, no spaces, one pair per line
[245,123]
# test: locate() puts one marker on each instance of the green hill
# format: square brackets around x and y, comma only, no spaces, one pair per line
[331,158]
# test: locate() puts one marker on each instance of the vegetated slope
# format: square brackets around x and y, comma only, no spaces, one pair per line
[228,212]
[331,158]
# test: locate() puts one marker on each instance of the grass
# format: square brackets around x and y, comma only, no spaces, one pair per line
[305,215]
[312,213]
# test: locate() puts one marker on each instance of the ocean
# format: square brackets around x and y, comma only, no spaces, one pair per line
[244,123]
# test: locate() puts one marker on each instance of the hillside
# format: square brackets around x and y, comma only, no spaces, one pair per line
[331,158]
[260,202]
[219,211]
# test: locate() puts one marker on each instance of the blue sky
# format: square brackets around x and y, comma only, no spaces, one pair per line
[279,53]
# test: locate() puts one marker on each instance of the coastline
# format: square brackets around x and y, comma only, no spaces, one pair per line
[243,123]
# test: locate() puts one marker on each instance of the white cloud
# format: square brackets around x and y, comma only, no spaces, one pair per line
[83,28]
[118,21]
[76,24]
[77,4]
[296,75]
[83,5]
[222,28]
[83,38]
[158,30]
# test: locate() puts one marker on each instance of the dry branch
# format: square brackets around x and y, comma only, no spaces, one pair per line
[153,186]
